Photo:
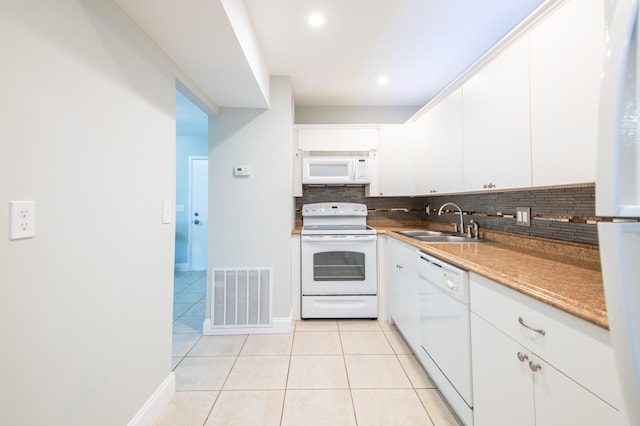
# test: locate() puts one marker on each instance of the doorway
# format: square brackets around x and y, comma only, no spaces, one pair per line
[190,262]
[192,143]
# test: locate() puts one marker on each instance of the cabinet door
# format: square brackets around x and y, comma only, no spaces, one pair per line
[561,401]
[402,286]
[502,384]
[424,160]
[567,53]
[357,139]
[333,139]
[497,148]
[443,134]
[318,139]
[395,172]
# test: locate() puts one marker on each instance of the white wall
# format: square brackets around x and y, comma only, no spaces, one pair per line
[88,132]
[251,218]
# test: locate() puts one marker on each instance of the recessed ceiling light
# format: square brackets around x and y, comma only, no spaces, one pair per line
[382,80]
[316,20]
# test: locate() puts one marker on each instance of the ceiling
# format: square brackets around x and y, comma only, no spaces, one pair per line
[228,48]
[420,45]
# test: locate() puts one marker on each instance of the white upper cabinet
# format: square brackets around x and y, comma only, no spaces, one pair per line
[358,139]
[338,139]
[318,139]
[439,148]
[497,149]
[567,53]
[395,162]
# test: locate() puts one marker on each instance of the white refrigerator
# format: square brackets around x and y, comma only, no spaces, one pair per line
[618,194]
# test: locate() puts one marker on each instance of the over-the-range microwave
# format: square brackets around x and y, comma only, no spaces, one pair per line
[336,170]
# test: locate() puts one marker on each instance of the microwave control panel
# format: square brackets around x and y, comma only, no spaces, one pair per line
[362,173]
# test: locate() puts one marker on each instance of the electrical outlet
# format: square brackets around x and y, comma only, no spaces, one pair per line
[23,219]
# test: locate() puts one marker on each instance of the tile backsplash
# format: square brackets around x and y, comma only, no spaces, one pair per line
[563,213]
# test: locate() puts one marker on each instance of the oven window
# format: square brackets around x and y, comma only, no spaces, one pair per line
[338,266]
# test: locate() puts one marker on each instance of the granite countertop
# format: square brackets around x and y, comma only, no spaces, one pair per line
[561,277]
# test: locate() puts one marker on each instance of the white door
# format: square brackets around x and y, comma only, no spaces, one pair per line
[198,212]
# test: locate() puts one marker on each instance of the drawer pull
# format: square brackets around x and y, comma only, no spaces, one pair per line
[522,357]
[399,266]
[534,367]
[537,330]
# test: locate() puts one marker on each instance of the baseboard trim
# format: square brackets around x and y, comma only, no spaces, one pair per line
[279,326]
[152,409]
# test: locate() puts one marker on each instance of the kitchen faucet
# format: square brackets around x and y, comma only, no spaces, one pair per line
[459,211]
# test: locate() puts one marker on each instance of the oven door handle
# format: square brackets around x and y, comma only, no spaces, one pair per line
[338,238]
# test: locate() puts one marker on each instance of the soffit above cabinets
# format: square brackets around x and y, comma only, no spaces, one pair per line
[229,48]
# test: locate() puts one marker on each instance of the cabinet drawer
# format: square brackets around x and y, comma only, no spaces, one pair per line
[579,349]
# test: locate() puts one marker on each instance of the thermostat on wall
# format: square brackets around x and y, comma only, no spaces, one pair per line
[241,170]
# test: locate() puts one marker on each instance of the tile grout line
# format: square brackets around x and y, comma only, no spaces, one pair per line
[346,370]
[286,382]
[413,387]
[246,337]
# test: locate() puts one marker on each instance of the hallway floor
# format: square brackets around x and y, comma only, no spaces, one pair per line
[327,372]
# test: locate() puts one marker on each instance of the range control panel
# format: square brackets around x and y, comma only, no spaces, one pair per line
[334,209]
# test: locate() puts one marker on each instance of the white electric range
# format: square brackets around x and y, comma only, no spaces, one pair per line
[338,263]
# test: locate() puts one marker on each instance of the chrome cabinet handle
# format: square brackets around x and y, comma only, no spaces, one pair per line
[522,357]
[537,330]
[534,367]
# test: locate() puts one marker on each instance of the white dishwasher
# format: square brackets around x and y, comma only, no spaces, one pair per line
[445,330]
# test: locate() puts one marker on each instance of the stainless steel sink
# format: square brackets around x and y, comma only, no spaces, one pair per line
[438,237]
[423,233]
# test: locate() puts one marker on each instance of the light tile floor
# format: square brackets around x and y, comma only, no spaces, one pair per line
[327,372]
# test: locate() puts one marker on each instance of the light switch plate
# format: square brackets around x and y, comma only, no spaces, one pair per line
[23,219]
[166,211]
[523,216]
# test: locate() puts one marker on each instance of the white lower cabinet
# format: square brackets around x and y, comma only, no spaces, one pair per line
[515,374]
[502,385]
[507,390]
[402,287]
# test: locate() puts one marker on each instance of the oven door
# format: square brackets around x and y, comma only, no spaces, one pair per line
[338,264]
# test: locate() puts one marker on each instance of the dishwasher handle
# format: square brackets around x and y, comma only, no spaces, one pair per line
[430,261]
